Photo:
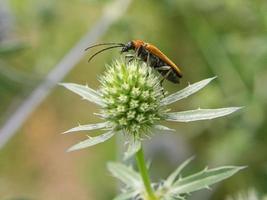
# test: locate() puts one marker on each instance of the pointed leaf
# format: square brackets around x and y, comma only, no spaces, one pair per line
[126,174]
[85,92]
[88,127]
[172,198]
[203,179]
[199,114]
[133,146]
[126,195]
[163,128]
[91,141]
[189,90]
[173,176]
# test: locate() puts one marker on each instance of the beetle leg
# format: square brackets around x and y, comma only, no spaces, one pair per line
[148,59]
[166,75]
[130,57]
[137,52]
[164,68]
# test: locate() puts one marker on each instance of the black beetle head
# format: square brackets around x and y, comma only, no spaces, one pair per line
[127,47]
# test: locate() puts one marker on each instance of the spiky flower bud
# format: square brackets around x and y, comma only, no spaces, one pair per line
[132,94]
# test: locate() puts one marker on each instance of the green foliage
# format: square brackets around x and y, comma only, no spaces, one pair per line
[175,186]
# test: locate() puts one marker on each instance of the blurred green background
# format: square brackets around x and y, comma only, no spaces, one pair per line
[223,38]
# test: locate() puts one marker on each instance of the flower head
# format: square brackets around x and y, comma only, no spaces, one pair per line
[132,101]
[132,95]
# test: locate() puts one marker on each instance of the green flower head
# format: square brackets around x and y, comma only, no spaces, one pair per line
[132,95]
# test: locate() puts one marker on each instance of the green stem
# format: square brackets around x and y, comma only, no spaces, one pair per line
[144,173]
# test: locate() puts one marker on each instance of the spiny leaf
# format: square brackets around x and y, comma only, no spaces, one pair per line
[199,114]
[133,146]
[189,90]
[126,195]
[163,128]
[88,127]
[126,174]
[203,179]
[91,141]
[85,92]
[169,181]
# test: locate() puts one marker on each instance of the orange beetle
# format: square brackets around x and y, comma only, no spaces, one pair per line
[150,54]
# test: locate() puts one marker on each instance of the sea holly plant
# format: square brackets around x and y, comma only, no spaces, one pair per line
[175,186]
[133,103]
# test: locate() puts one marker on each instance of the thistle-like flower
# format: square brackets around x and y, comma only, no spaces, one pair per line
[132,95]
[133,102]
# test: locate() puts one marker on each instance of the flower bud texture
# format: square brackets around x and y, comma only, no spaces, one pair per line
[132,95]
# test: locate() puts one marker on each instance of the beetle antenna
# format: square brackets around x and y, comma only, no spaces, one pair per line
[107,43]
[102,51]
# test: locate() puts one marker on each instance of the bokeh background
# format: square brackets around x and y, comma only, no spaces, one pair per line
[223,38]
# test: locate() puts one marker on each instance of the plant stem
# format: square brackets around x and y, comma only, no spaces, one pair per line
[144,173]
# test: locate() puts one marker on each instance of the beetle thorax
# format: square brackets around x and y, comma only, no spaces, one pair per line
[138,43]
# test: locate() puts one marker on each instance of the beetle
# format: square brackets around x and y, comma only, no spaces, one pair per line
[149,54]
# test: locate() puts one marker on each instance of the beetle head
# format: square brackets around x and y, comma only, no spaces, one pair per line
[128,46]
